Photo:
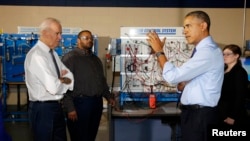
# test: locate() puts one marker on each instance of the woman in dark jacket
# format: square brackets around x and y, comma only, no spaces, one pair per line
[232,104]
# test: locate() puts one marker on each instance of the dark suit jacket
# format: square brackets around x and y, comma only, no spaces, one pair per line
[232,102]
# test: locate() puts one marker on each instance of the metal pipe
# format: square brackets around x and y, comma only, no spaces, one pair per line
[244,26]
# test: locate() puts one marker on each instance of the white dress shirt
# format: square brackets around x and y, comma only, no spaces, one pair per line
[41,77]
[204,74]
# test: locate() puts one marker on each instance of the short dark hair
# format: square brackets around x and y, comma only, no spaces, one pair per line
[80,33]
[201,15]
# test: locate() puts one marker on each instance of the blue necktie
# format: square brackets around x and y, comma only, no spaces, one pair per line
[194,50]
[54,61]
[179,99]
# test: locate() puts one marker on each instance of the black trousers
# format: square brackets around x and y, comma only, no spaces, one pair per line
[47,121]
[89,112]
[196,123]
[4,136]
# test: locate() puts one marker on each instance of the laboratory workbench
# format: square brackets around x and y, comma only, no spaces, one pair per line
[137,123]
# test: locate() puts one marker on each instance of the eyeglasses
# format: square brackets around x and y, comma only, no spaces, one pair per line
[86,38]
[227,54]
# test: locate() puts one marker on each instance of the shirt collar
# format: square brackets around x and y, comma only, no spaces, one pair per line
[43,46]
[85,51]
[205,42]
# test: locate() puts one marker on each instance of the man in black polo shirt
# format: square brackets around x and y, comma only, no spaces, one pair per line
[84,104]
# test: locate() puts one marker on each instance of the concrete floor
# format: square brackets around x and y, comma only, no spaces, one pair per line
[19,130]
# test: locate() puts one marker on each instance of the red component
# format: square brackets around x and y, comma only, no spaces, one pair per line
[108,56]
[152,101]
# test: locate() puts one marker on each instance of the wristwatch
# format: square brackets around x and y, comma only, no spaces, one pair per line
[157,54]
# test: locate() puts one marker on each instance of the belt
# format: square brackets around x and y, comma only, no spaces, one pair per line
[192,107]
[49,101]
[84,96]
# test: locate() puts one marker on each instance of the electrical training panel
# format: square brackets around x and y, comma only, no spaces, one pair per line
[139,68]
[16,46]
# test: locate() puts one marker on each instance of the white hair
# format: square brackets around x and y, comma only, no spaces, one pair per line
[45,25]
